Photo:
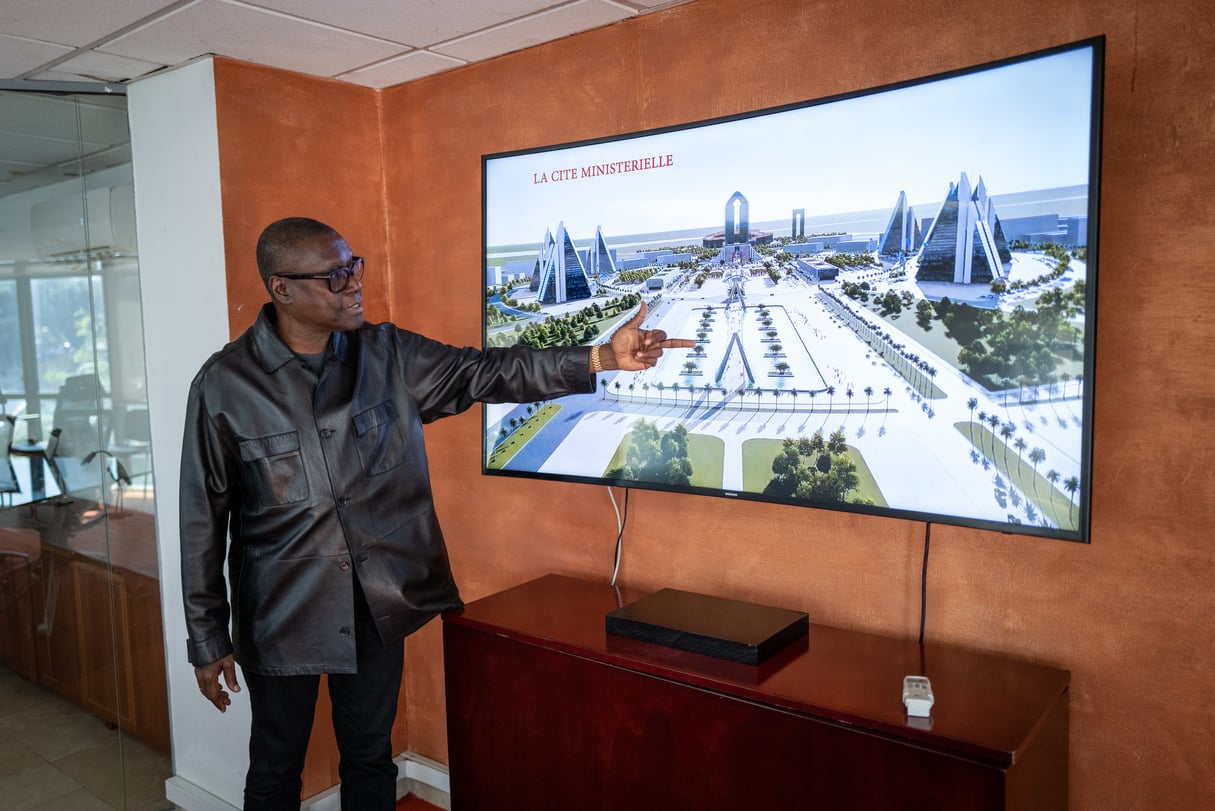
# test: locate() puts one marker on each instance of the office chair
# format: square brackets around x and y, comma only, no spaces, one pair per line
[82,413]
[8,475]
[68,471]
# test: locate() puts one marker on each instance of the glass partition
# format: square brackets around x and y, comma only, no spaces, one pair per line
[82,674]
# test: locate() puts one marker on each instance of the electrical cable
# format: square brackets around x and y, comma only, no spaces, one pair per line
[924,580]
[620,523]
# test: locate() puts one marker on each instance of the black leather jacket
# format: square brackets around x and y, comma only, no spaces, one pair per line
[315,480]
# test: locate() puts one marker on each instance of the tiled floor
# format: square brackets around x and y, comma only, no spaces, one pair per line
[54,756]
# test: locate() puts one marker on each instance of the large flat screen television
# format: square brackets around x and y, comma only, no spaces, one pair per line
[891,294]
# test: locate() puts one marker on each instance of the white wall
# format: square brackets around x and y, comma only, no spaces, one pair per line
[175,155]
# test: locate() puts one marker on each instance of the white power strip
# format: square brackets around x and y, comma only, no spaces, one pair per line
[917,696]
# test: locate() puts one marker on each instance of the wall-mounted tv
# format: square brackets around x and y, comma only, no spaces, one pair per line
[891,294]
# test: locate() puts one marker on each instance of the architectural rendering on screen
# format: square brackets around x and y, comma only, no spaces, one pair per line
[894,331]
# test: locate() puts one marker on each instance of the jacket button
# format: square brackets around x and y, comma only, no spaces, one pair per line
[344,631]
[344,565]
[326,433]
[343,501]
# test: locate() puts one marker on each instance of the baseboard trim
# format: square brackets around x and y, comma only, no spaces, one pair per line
[425,778]
[186,795]
[416,774]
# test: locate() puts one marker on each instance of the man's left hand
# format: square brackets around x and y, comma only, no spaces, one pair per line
[634,348]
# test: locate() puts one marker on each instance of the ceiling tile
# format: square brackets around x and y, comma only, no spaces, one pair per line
[19,56]
[76,25]
[405,68]
[95,66]
[554,24]
[414,22]
[254,35]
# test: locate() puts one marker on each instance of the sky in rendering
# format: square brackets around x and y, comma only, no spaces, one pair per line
[1021,127]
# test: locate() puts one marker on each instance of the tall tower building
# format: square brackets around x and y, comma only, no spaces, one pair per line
[738,213]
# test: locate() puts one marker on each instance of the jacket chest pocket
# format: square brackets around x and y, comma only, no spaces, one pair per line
[379,439]
[275,469]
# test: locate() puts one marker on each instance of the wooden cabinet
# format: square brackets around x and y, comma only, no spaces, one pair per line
[100,643]
[85,619]
[548,711]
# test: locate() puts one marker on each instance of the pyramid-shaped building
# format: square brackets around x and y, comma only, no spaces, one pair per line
[599,260]
[965,243]
[902,236]
[562,274]
[546,250]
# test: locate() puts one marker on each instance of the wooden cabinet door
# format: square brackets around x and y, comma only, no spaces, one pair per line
[105,650]
[58,627]
[144,667]
[17,624]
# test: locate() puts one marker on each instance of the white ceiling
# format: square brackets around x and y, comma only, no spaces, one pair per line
[375,43]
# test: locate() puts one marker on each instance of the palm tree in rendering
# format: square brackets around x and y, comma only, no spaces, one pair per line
[1052,476]
[1020,445]
[1071,484]
[1037,455]
[1006,432]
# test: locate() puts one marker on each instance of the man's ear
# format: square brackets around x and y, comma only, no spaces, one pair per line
[279,291]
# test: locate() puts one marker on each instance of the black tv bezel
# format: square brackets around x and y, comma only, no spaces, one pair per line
[1083,532]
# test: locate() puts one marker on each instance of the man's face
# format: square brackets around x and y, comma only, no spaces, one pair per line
[312,304]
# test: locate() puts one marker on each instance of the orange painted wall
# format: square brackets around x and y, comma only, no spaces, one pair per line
[291,145]
[1129,615]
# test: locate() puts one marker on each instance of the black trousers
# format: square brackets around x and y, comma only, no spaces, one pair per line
[364,707]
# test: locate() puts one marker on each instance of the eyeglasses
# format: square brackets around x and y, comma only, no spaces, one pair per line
[338,278]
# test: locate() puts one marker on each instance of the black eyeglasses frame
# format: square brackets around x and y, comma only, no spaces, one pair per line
[338,278]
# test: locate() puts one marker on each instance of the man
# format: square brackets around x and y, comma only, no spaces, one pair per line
[303,443]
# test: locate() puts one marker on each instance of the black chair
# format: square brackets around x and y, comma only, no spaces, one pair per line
[8,475]
[77,476]
[82,414]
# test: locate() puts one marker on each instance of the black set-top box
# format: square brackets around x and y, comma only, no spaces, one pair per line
[713,626]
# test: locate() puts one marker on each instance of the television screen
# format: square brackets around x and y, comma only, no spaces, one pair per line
[891,295]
